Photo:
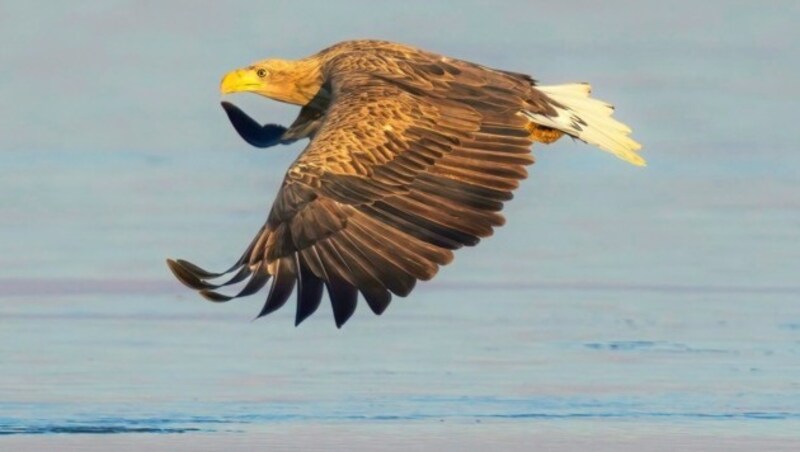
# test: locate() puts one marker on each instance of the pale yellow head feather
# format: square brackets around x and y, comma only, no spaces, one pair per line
[294,82]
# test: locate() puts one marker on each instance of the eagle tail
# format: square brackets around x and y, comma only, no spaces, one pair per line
[588,119]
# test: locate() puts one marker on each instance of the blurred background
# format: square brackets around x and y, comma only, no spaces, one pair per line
[617,304]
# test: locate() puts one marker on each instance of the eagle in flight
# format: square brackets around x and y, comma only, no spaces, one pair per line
[411,156]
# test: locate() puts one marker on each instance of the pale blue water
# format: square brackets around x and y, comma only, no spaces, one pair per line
[616,301]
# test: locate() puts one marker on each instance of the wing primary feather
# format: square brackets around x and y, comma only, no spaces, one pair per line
[202,273]
[397,269]
[391,257]
[186,277]
[343,294]
[309,291]
[371,278]
[313,260]
[391,239]
[344,297]
[190,279]
[282,286]
[377,301]
[257,282]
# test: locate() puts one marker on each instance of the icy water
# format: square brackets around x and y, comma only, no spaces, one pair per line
[619,308]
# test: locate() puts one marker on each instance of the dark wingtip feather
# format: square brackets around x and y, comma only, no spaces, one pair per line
[198,271]
[257,281]
[407,289]
[343,300]
[282,287]
[216,297]
[309,294]
[185,277]
[184,272]
[377,301]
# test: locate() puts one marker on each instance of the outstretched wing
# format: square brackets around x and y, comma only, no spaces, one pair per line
[411,161]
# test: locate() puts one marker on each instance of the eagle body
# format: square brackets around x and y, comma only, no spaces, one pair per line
[411,156]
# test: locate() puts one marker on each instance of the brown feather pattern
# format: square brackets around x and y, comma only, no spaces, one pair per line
[414,157]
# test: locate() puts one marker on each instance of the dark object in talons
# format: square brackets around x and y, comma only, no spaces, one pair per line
[253,132]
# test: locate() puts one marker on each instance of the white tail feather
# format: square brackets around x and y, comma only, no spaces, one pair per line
[589,120]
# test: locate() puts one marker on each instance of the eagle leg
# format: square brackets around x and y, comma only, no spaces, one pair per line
[544,134]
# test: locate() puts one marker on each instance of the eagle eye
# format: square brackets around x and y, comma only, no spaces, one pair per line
[261,73]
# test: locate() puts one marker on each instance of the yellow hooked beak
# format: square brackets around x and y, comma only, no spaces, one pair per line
[240,80]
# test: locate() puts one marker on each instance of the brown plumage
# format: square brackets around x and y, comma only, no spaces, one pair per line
[412,156]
